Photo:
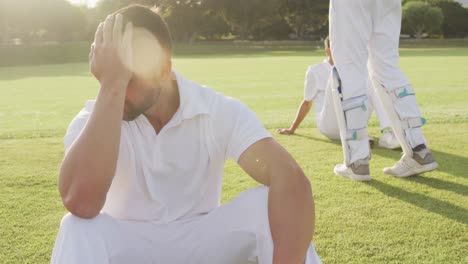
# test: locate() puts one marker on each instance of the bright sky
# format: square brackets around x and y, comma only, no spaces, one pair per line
[89,3]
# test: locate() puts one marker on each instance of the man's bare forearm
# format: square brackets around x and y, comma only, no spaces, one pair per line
[302,112]
[89,166]
[291,213]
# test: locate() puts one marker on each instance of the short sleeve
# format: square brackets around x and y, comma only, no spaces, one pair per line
[310,86]
[77,125]
[236,127]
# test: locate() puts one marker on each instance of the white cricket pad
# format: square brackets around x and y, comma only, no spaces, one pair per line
[402,109]
[351,116]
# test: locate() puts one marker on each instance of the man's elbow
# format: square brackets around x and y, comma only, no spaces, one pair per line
[295,181]
[301,189]
[80,203]
[302,182]
[81,208]
[79,199]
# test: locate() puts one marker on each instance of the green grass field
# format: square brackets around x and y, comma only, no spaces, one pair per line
[422,219]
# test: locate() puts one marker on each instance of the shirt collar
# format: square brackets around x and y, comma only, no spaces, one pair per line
[193,100]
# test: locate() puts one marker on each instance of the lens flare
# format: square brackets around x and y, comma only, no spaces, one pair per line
[148,54]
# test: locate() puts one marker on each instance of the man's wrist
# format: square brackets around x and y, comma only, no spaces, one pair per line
[115,85]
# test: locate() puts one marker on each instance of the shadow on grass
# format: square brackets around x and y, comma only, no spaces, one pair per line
[334,142]
[441,184]
[425,202]
[451,163]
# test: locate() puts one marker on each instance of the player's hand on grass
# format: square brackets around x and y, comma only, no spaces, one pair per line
[111,56]
[285,131]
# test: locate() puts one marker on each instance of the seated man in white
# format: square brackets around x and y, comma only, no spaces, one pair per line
[316,93]
[144,163]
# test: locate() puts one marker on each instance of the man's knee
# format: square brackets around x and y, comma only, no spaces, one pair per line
[256,199]
[329,128]
[331,134]
[80,240]
[254,204]
[231,248]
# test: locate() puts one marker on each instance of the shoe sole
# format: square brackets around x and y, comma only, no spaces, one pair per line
[395,147]
[356,177]
[417,170]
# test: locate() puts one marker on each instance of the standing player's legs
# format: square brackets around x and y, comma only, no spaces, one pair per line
[395,92]
[374,102]
[387,139]
[326,119]
[350,31]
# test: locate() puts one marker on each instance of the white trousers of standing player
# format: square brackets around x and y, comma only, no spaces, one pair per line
[364,36]
[327,123]
[235,233]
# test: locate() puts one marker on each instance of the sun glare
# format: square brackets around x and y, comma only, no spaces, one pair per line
[89,3]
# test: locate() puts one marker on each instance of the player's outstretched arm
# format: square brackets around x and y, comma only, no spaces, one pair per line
[89,164]
[302,112]
[290,202]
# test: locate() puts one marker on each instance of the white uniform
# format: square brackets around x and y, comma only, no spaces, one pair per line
[164,202]
[364,36]
[316,89]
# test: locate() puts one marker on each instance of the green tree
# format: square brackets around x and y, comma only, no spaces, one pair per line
[35,20]
[191,19]
[420,18]
[244,16]
[306,15]
[106,7]
[4,22]
[276,29]
[18,19]
[455,18]
[63,21]
[215,27]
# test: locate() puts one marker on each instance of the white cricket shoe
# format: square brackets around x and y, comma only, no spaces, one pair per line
[388,140]
[422,161]
[358,171]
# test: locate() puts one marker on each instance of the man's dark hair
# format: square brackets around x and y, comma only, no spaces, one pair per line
[149,19]
[326,42]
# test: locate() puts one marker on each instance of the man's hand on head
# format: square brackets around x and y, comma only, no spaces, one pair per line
[111,55]
[90,161]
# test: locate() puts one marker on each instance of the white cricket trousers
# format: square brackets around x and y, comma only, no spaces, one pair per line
[364,36]
[235,233]
[326,119]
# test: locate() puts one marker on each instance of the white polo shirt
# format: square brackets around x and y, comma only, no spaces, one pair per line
[177,173]
[316,80]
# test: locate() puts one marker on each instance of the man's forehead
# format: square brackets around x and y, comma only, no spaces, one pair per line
[148,53]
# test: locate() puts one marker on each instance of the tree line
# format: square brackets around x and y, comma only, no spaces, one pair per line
[57,20]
